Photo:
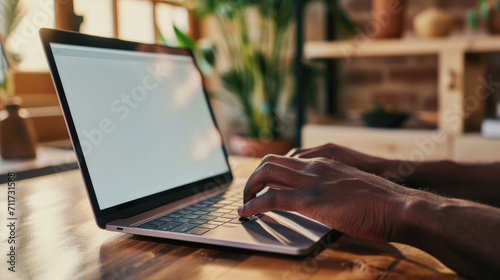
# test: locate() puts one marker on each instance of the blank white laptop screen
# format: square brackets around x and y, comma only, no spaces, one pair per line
[142,120]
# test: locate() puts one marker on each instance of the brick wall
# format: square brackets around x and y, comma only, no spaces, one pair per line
[409,82]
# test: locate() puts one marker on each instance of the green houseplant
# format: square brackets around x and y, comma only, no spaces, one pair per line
[256,69]
[255,74]
[256,52]
[489,12]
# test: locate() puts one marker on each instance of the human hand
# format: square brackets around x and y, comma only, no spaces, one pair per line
[342,197]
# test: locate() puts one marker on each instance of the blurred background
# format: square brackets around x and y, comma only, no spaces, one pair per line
[379,76]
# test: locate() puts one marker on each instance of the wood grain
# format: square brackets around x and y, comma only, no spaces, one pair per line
[57,239]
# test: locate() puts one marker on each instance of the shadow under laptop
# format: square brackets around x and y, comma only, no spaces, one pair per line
[141,256]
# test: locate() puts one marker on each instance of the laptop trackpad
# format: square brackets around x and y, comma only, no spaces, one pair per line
[274,228]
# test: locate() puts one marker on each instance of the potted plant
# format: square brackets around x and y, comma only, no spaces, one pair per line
[256,70]
[489,12]
[257,65]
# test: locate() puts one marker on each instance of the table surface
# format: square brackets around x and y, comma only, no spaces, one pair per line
[50,158]
[56,238]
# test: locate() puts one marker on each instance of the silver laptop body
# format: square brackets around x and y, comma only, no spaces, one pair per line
[149,149]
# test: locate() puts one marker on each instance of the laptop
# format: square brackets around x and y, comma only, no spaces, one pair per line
[149,150]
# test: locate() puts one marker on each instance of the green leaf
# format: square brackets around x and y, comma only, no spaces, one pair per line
[472,19]
[484,10]
[12,15]
[162,40]
[235,81]
[184,40]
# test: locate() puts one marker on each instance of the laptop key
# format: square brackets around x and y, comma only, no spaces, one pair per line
[198,231]
[174,215]
[216,214]
[197,221]
[200,212]
[169,226]
[230,216]
[182,220]
[214,223]
[183,228]
[155,222]
[218,205]
[191,216]
[208,225]
[148,226]
[164,219]
[223,220]
[207,217]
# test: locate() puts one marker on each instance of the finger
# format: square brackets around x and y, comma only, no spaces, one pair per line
[292,152]
[283,160]
[275,175]
[314,153]
[283,200]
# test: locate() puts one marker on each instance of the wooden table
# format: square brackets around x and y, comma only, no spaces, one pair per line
[57,238]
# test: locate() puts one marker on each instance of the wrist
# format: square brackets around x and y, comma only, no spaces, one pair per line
[387,169]
[416,218]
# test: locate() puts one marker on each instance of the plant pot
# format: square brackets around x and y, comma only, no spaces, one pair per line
[384,120]
[17,134]
[493,20]
[388,17]
[433,22]
[250,147]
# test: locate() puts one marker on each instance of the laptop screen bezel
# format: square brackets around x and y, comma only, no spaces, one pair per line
[146,203]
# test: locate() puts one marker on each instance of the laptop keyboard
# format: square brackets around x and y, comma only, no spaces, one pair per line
[203,216]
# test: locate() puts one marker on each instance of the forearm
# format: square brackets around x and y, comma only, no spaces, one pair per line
[462,234]
[477,182]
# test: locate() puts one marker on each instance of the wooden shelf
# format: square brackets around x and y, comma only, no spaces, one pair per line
[406,144]
[409,46]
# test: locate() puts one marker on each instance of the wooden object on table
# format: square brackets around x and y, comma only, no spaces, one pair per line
[57,238]
[17,134]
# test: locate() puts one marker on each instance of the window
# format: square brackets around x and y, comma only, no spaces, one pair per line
[135,22]
[24,41]
[135,19]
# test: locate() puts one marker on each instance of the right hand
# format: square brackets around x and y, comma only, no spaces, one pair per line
[340,196]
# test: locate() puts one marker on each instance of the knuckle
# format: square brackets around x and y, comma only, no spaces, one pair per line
[267,168]
[271,199]
[268,158]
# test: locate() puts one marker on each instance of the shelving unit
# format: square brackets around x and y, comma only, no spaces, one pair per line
[451,95]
